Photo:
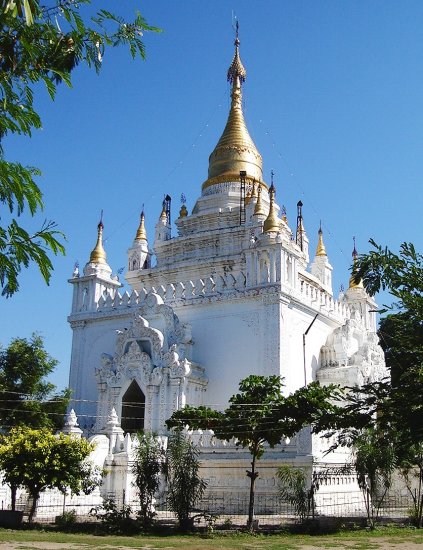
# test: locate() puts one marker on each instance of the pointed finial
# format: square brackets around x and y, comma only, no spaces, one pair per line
[163,216]
[141,232]
[272,222]
[353,284]
[284,216]
[354,252]
[236,69]
[321,250]
[98,254]
[272,173]
[258,209]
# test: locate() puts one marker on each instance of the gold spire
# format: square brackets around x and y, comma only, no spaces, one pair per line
[163,215]
[272,222]
[98,254]
[141,232]
[258,209]
[353,284]
[254,190]
[284,216]
[321,250]
[183,212]
[235,150]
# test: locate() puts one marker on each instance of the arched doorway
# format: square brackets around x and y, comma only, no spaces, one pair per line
[133,409]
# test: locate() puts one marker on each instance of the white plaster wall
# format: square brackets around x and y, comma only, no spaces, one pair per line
[96,337]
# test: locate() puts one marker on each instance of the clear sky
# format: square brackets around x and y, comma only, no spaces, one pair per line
[333,100]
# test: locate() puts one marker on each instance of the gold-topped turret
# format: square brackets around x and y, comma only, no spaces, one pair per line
[353,284]
[258,208]
[98,254]
[235,150]
[272,222]
[321,250]
[141,232]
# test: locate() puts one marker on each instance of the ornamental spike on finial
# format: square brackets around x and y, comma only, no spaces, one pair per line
[236,69]
[354,252]
[272,186]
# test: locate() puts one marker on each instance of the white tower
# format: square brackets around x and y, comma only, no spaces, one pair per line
[139,255]
[96,281]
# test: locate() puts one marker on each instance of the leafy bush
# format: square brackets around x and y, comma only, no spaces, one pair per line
[66,520]
[115,520]
[148,464]
[185,486]
[292,488]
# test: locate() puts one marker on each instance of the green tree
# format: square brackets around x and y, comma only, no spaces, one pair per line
[384,420]
[184,484]
[292,485]
[401,335]
[374,462]
[147,467]
[35,48]
[26,396]
[257,415]
[37,460]
[411,468]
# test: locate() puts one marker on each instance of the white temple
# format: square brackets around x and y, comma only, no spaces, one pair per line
[232,293]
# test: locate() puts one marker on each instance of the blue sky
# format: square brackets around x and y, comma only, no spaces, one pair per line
[333,101]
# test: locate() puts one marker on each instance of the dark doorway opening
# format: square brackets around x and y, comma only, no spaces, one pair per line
[133,409]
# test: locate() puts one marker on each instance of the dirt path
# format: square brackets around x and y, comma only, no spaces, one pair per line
[359,543]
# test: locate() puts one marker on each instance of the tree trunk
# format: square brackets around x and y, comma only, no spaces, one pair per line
[35,498]
[420,500]
[13,490]
[253,476]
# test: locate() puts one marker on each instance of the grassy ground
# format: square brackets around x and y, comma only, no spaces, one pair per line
[358,540]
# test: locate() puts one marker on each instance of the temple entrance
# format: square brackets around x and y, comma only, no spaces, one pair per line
[133,409]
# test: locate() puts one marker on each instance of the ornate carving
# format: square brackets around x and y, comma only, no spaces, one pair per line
[152,358]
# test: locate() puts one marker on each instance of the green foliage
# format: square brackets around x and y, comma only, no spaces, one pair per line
[374,464]
[400,274]
[66,520]
[411,468]
[384,420]
[26,396]
[184,485]
[35,48]
[148,464]
[259,414]
[38,460]
[292,485]
[115,520]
